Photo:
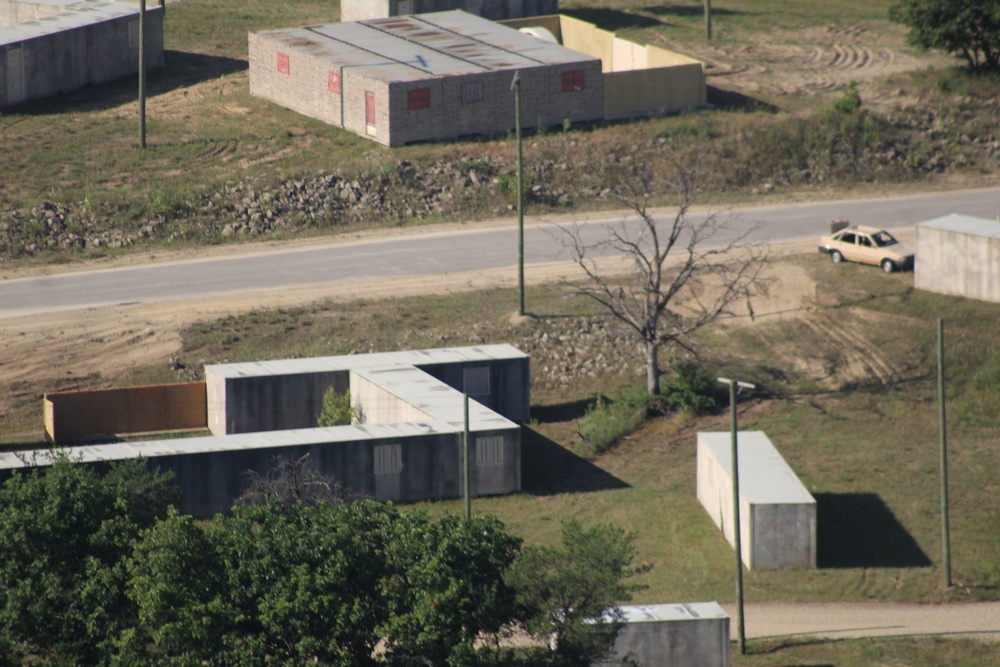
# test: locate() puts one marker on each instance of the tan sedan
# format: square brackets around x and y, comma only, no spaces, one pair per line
[868,245]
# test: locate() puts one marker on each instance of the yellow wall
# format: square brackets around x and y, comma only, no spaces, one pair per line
[588,38]
[76,415]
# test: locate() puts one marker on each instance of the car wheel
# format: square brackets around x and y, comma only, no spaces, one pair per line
[888,265]
[836,257]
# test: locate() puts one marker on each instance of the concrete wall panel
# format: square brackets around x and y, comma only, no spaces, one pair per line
[689,635]
[959,255]
[80,415]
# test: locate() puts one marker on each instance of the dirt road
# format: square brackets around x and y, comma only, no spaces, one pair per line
[979,620]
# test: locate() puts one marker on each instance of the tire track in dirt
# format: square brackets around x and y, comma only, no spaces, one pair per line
[862,359]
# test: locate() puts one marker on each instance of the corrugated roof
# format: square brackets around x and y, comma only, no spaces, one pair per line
[78,14]
[407,48]
[765,477]
[965,224]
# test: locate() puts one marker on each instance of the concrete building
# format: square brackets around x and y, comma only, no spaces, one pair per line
[494,10]
[667,635]
[56,46]
[423,78]
[777,513]
[959,255]
[408,446]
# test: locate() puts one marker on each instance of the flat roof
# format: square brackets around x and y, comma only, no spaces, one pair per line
[347,362]
[765,477]
[964,224]
[424,46]
[658,613]
[79,13]
[330,435]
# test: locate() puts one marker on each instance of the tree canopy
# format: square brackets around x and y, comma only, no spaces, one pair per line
[966,28]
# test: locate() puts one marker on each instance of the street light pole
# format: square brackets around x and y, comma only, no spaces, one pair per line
[737,541]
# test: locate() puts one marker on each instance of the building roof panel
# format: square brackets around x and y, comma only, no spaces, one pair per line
[964,224]
[765,477]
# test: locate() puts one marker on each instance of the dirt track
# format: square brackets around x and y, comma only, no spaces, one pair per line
[839,620]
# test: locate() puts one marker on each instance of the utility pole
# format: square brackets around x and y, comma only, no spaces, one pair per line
[465,461]
[943,434]
[737,541]
[142,73]
[708,20]
[516,87]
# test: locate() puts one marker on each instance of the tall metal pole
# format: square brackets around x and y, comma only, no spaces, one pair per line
[142,73]
[737,539]
[520,198]
[708,20]
[943,432]
[466,463]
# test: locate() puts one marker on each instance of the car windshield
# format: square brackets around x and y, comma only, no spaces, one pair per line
[882,239]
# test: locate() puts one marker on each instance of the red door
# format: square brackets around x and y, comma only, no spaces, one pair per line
[369,107]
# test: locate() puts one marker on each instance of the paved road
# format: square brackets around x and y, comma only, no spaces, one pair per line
[979,620]
[434,253]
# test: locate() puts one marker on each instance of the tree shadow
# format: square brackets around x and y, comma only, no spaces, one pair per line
[611,19]
[181,69]
[548,468]
[859,530]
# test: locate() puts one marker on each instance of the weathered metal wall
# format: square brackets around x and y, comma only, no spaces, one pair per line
[82,415]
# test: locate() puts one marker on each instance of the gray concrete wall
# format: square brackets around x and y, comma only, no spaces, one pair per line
[685,635]
[954,261]
[70,50]
[211,471]
[777,514]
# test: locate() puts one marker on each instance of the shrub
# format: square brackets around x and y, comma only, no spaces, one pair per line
[337,410]
[849,103]
[691,389]
[607,422]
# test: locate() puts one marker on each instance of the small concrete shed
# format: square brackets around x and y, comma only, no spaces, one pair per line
[56,46]
[777,513]
[672,635]
[959,255]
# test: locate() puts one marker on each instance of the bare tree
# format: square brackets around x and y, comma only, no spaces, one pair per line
[682,277]
[291,481]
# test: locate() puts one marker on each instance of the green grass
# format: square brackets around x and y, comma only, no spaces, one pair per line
[919,652]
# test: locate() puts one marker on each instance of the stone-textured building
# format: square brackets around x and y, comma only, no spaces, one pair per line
[422,78]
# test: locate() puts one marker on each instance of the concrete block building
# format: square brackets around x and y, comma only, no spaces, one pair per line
[777,513]
[494,10]
[408,446]
[56,46]
[959,255]
[421,78]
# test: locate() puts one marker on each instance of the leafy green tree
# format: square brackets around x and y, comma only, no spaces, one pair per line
[966,28]
[67,531]
[337,409]
[446,589]
[570,593]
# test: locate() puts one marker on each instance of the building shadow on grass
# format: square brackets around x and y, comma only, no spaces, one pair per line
[859,530]
[181,69]
[611,19]
[548,468]
[730,100]
[689,10]
[561,412]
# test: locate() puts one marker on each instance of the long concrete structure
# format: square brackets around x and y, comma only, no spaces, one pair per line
[959,255]
[777,513]
[665,635]
[55,46]
[407,445]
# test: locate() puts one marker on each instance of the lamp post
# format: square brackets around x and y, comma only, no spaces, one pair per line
[142,73]
[943,435]
[737,545]
[515,85]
